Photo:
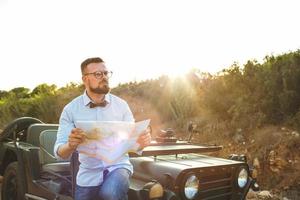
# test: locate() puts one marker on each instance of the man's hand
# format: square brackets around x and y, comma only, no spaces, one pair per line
[144,139]
[76,137]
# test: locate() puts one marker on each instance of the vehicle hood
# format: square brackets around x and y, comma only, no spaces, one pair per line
[172,166]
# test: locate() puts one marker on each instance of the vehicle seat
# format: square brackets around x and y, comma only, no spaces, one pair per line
[34,131]
[57,173]
[47,159]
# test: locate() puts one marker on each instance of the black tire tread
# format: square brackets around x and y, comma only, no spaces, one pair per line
[11,168]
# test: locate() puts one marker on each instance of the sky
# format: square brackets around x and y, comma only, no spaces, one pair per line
[46,41]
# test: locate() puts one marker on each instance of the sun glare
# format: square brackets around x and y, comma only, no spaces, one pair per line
[177,73]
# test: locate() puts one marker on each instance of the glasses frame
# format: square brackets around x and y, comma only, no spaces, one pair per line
[100,74]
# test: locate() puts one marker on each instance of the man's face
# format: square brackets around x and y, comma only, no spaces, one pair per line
[97,85]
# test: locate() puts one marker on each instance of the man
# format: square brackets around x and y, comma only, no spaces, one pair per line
[95,178]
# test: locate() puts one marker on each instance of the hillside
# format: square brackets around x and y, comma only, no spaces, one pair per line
[273,151]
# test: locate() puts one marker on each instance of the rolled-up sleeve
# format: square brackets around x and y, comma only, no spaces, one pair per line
[65,126]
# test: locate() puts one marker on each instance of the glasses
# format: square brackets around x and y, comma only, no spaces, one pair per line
[99,74]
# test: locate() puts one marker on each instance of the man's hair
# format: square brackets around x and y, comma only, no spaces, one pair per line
[89,61]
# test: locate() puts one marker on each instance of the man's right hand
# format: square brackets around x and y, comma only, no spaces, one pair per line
[76,137]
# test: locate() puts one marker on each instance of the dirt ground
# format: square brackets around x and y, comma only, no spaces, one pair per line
[273,154]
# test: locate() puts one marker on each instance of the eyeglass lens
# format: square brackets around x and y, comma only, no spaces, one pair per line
[100,74]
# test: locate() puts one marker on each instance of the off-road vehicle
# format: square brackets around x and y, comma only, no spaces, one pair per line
[168,169]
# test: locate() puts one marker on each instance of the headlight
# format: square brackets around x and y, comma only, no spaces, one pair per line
[191,187]
[242,178]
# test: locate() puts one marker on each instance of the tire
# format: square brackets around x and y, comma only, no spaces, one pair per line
[11,183]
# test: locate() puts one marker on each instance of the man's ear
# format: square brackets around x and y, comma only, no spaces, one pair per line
[84,80]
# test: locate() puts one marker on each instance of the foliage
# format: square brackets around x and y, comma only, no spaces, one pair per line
[45,102]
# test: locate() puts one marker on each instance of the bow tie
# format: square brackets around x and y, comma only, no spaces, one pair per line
[102,104]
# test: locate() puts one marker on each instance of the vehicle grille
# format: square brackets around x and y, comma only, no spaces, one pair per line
[216,184]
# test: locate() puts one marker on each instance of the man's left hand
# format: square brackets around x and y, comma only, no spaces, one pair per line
[144,139]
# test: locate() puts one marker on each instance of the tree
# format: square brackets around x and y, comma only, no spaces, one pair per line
[44,89]
[20,92]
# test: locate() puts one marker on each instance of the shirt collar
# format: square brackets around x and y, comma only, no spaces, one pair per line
[87,99]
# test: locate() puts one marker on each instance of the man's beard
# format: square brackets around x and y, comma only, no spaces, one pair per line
[103,89]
